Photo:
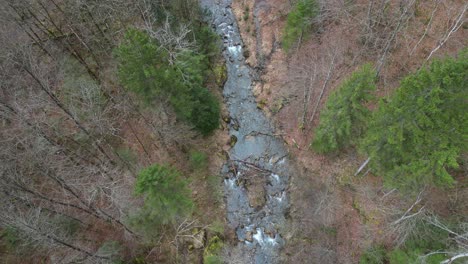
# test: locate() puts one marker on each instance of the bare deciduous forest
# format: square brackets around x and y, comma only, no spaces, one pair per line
[347,207]
[74,139]
[114,130]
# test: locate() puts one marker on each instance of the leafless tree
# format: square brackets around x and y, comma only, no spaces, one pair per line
[36,227]
[312,75]
[405,15]
[428,27]
[459,237]
[64,120]
[459,21]
[325,84]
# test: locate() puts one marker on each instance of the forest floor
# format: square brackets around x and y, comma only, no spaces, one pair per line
[335,215]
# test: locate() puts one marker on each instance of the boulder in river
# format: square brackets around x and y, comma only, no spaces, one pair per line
[235,124]
[249,236]
[233,140]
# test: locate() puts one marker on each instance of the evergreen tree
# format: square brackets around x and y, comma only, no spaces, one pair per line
[208,43]
[144,68]
[194,102]
[166,197]
[344,118]
[419,134]
[299,22]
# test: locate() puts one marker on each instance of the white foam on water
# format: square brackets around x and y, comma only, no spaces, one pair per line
[264,240]
[281,197]
[271,240]
[235,50]
[259,237]
[281,161]
[275,177]
[230,183]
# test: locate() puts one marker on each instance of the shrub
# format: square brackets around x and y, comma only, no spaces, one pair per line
[198,160]
[215,244]
[127,156]
[213,260]
[10,238]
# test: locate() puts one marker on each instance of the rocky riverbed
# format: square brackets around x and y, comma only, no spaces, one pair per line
[256,174]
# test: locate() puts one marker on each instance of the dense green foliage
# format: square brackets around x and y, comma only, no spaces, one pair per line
[345,116]
[373,255]
[213,260]
[208,44]
[210,256]
[431,239]
[143,67]
[166,197]
[420,133]
[152,72]
[299,22]
[146,70]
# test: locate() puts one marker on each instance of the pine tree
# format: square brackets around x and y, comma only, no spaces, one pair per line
[166,197]
[145,69]
[345,116]
[299,22]
[420,133]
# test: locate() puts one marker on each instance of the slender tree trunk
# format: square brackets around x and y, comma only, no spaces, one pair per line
[325,83]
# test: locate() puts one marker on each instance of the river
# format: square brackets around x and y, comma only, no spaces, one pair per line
[256,213]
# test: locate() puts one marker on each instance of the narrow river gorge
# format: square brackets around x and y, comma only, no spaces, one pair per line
[256,174]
